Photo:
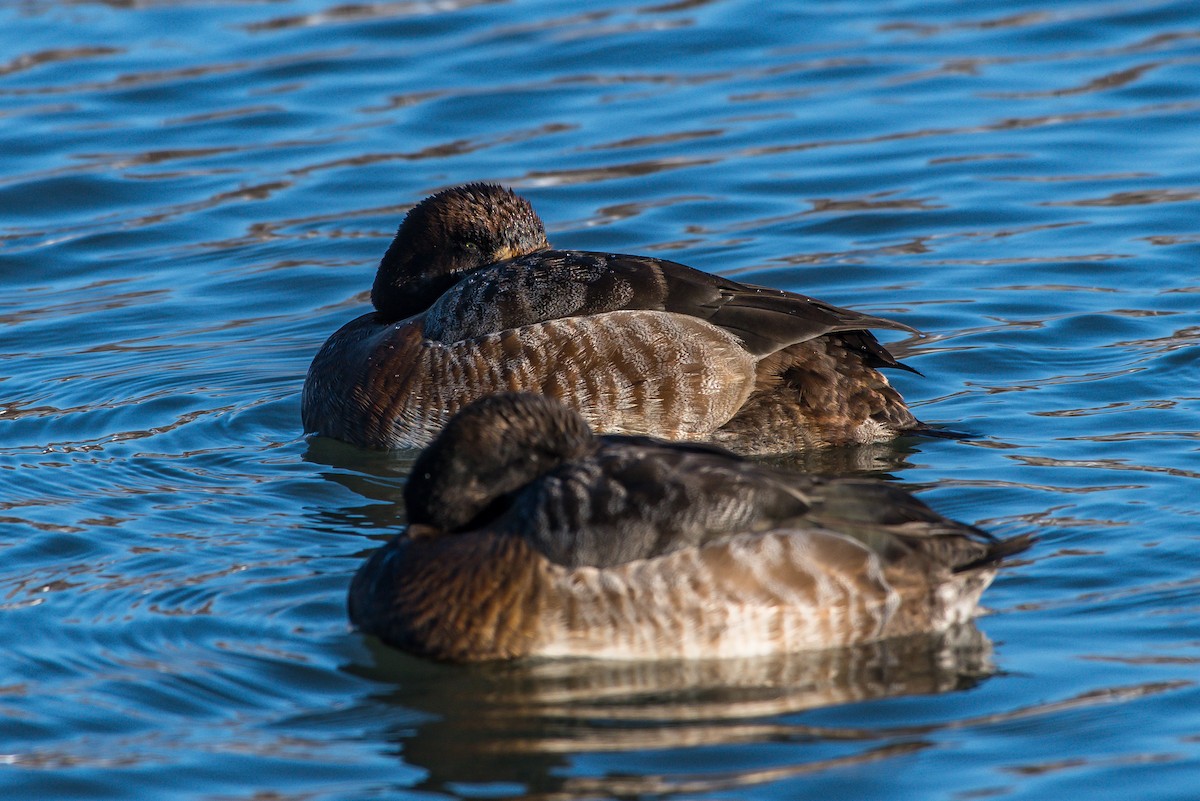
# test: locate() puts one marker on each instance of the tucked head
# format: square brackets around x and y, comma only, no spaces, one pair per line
[446,236]
[491,448]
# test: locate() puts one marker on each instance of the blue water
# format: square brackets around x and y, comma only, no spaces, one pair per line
[193,195]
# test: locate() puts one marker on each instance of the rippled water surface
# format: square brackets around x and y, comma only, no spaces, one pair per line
[195,194]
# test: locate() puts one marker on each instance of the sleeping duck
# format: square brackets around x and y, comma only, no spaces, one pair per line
[470,300]
[530,536]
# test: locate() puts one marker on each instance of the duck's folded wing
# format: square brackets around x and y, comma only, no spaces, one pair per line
[765,319]
[631,503]
[894,523]
[554,284]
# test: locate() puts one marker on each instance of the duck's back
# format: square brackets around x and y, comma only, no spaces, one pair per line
[684,551]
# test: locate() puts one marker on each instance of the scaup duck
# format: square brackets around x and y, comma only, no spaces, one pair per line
[530,536]
[470,300]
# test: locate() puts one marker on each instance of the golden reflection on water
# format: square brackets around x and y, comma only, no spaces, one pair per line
[658,784]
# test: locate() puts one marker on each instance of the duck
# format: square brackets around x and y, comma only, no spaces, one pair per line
[470,299]
[529,536]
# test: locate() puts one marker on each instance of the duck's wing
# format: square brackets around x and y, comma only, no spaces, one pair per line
[638,499]
[896,525]
[765,319]
[560,283]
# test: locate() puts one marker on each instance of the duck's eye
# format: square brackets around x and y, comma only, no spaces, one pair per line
[470,246]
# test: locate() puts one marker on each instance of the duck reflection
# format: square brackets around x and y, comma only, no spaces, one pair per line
[375,477]
[526,723]
[361,470]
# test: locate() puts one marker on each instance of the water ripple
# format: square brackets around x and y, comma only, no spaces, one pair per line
[197,194]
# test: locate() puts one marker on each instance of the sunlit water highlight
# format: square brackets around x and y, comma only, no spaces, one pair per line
[194,196]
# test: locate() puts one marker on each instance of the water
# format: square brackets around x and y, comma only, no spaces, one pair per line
[194,195]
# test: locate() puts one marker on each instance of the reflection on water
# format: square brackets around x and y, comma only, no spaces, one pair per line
[195,196]
[512,729]
[517,723]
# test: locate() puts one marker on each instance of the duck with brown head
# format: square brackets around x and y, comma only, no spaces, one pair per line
[470,300]
[529,536]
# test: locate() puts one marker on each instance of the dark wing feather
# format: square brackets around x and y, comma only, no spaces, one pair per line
[634,502]
[547,285]
[892,522]
[557,283]
[639,501]
[765,319]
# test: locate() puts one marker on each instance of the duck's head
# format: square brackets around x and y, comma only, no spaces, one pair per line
[489,450]
[446,236]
